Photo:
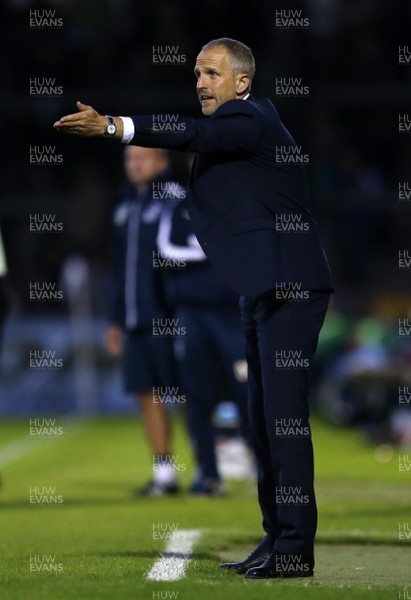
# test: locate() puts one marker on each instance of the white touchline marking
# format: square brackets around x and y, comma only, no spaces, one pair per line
[26,444]
[174,561]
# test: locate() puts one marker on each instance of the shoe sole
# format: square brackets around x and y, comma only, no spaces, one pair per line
[281,576]
[244,569]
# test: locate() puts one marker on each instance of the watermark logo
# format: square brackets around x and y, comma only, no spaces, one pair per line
[291,19]
[165,595]
[286,291]
[161,261]
[291,223]
[168,55]
[404,123]
[168,328]
[168,395]
[45,428]
[291,495]
[291,428]
[404,191]
[44,495]
[45,359]
[168,123]
[291,87]
[404,463]
[44,291]
[167,531]
[45,156]
[404,594]
[291,564]
[45,563]
[404,532]
[404,327]
[291,359]
[404,55]
[45,19]
[45,87]
[291,155]
[404,395]
[404,259]
[168,190]
[168,462]
[45,223]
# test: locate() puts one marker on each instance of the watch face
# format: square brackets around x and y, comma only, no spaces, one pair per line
[111,129]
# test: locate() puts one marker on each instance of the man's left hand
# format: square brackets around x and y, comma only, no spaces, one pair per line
[86,122]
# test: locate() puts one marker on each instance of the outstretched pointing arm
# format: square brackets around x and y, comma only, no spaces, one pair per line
[87,122]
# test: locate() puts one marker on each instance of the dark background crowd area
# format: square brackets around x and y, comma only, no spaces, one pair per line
[102,55]
[348,124]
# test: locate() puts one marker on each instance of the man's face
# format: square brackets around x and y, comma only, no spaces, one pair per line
[216,82]
[142,165]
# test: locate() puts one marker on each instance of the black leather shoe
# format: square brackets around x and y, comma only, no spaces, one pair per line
[284,566]
[257,557]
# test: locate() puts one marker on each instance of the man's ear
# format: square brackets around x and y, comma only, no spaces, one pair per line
[242,83]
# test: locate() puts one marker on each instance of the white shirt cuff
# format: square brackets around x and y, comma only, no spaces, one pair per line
[128,130]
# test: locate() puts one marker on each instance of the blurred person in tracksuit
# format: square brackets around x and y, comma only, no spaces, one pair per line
[4,300]
[138,299]
[211,354]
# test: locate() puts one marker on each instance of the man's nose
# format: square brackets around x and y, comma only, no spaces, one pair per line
[200,82]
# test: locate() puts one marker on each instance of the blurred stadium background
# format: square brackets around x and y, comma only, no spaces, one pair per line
[347,123]
[359,171]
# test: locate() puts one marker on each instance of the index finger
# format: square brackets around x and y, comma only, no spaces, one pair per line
[74,117]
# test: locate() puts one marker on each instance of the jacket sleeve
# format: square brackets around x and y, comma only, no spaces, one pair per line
[234,127]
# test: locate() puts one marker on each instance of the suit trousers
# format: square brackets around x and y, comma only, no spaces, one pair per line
[281,340]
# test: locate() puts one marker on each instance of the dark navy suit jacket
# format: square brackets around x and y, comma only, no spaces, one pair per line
[196,283]
[248,202]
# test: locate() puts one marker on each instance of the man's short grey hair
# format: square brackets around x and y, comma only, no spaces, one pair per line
[240,55]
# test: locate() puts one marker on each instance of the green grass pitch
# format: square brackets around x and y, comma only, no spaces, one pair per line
[99,539]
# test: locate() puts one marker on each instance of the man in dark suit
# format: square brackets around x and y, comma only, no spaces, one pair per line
[251,213]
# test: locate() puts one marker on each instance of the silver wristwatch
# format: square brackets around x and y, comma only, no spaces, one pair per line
[110,129]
